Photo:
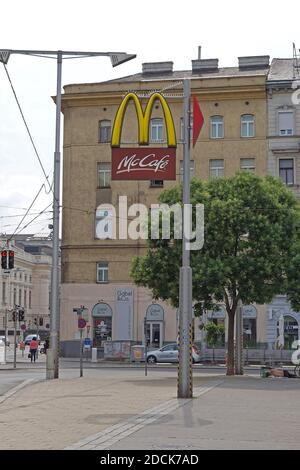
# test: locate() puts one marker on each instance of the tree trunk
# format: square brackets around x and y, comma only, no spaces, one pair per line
[230,350]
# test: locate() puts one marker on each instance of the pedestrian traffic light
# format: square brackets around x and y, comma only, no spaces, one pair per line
[21,314]
[4,259]
[14,315]
[11,259]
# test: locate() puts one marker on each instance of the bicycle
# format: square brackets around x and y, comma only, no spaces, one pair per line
[297,370]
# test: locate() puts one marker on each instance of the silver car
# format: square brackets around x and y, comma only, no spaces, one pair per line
[2,338]
[169,353]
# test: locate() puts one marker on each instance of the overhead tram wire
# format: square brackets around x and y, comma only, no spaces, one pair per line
[28,131]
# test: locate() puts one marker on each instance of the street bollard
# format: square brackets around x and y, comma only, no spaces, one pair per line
[94,354]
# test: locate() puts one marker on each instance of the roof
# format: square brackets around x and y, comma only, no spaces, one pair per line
[281,70]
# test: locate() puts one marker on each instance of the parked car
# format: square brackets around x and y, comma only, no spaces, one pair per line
[169,353]
[29,338]
[2,338]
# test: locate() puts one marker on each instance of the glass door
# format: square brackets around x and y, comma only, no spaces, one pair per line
[154,334]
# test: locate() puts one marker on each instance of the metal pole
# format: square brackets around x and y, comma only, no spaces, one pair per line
[6,337]
[15,338]
[52,364]
[239,340]
[81,362]
[146,348]
[185,382]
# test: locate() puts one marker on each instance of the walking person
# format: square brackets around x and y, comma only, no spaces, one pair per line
[33,347]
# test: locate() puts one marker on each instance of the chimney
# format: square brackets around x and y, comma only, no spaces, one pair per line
[157,68]
[199,52]
[205,65]
[254,62]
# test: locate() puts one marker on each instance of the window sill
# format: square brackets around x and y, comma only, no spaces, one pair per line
[103,187]
[102,282]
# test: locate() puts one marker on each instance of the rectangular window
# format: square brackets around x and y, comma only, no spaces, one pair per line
[15,297]
[191,169]
[29,301]
[20,297]
[247,125]
[25,298]
[285,123]
[102,272]
[41,321]
[217,127]
[286,170]
[216,168]
[156,183]
[157,130]
[104,175]
[247,164]
[104,131]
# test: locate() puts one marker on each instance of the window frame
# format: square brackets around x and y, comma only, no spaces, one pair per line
[105,270]
[248,136]
[106,139]
[294,173]
[217,125]
[290,112]
[104,172]
[248,167]
[216,168]
[156,128]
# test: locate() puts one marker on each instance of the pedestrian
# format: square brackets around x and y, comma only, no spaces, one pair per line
[46,345]
[33,347]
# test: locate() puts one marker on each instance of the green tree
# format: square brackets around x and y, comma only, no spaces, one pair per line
[251,229]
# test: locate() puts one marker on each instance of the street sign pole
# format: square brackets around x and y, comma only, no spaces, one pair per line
[81,348]
[15,337]
[185,379]
[146,346]
[239,370]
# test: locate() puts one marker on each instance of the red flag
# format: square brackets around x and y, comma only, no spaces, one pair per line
[198,120]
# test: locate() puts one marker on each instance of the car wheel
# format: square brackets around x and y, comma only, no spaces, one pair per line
[151,360]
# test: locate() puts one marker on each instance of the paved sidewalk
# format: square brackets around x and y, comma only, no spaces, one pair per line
[111,409]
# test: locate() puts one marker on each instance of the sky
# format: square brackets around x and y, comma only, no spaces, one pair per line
[160,30]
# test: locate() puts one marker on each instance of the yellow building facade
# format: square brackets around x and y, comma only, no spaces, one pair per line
[96,273]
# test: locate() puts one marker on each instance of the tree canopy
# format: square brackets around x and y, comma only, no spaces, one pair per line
[251,236]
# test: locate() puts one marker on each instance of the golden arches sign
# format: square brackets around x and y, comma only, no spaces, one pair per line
[143,119]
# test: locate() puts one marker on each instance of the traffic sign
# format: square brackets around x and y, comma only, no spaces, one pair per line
[81,323]
[87,343]
[23,327]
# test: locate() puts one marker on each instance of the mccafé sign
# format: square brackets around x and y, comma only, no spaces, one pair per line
[143,163]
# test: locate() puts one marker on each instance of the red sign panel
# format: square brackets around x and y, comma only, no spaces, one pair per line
[143,163]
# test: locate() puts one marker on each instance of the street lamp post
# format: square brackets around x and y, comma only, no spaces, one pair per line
[117,58]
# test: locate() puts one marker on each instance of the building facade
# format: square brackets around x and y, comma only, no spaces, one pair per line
[284,163]
[27,285]
[96,273]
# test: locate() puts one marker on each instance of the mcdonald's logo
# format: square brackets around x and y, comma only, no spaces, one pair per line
[143,119]
[143,163]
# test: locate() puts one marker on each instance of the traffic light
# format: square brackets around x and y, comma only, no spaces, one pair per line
[21,314]
[35,320]
[11,259]
[4,259]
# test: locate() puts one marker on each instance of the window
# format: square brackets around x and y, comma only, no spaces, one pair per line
[156,183]
[191,169]
[25,298]
[104,175]
[30,299]
[25,278]
[104,131]
[217,127]
[216,168]
[247,164]
[286,170]
[41,321]
[285,123]
[104,224]
[157,130]
[15,297]
[102,272]
[30,279]
[20,297]
[247,125]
